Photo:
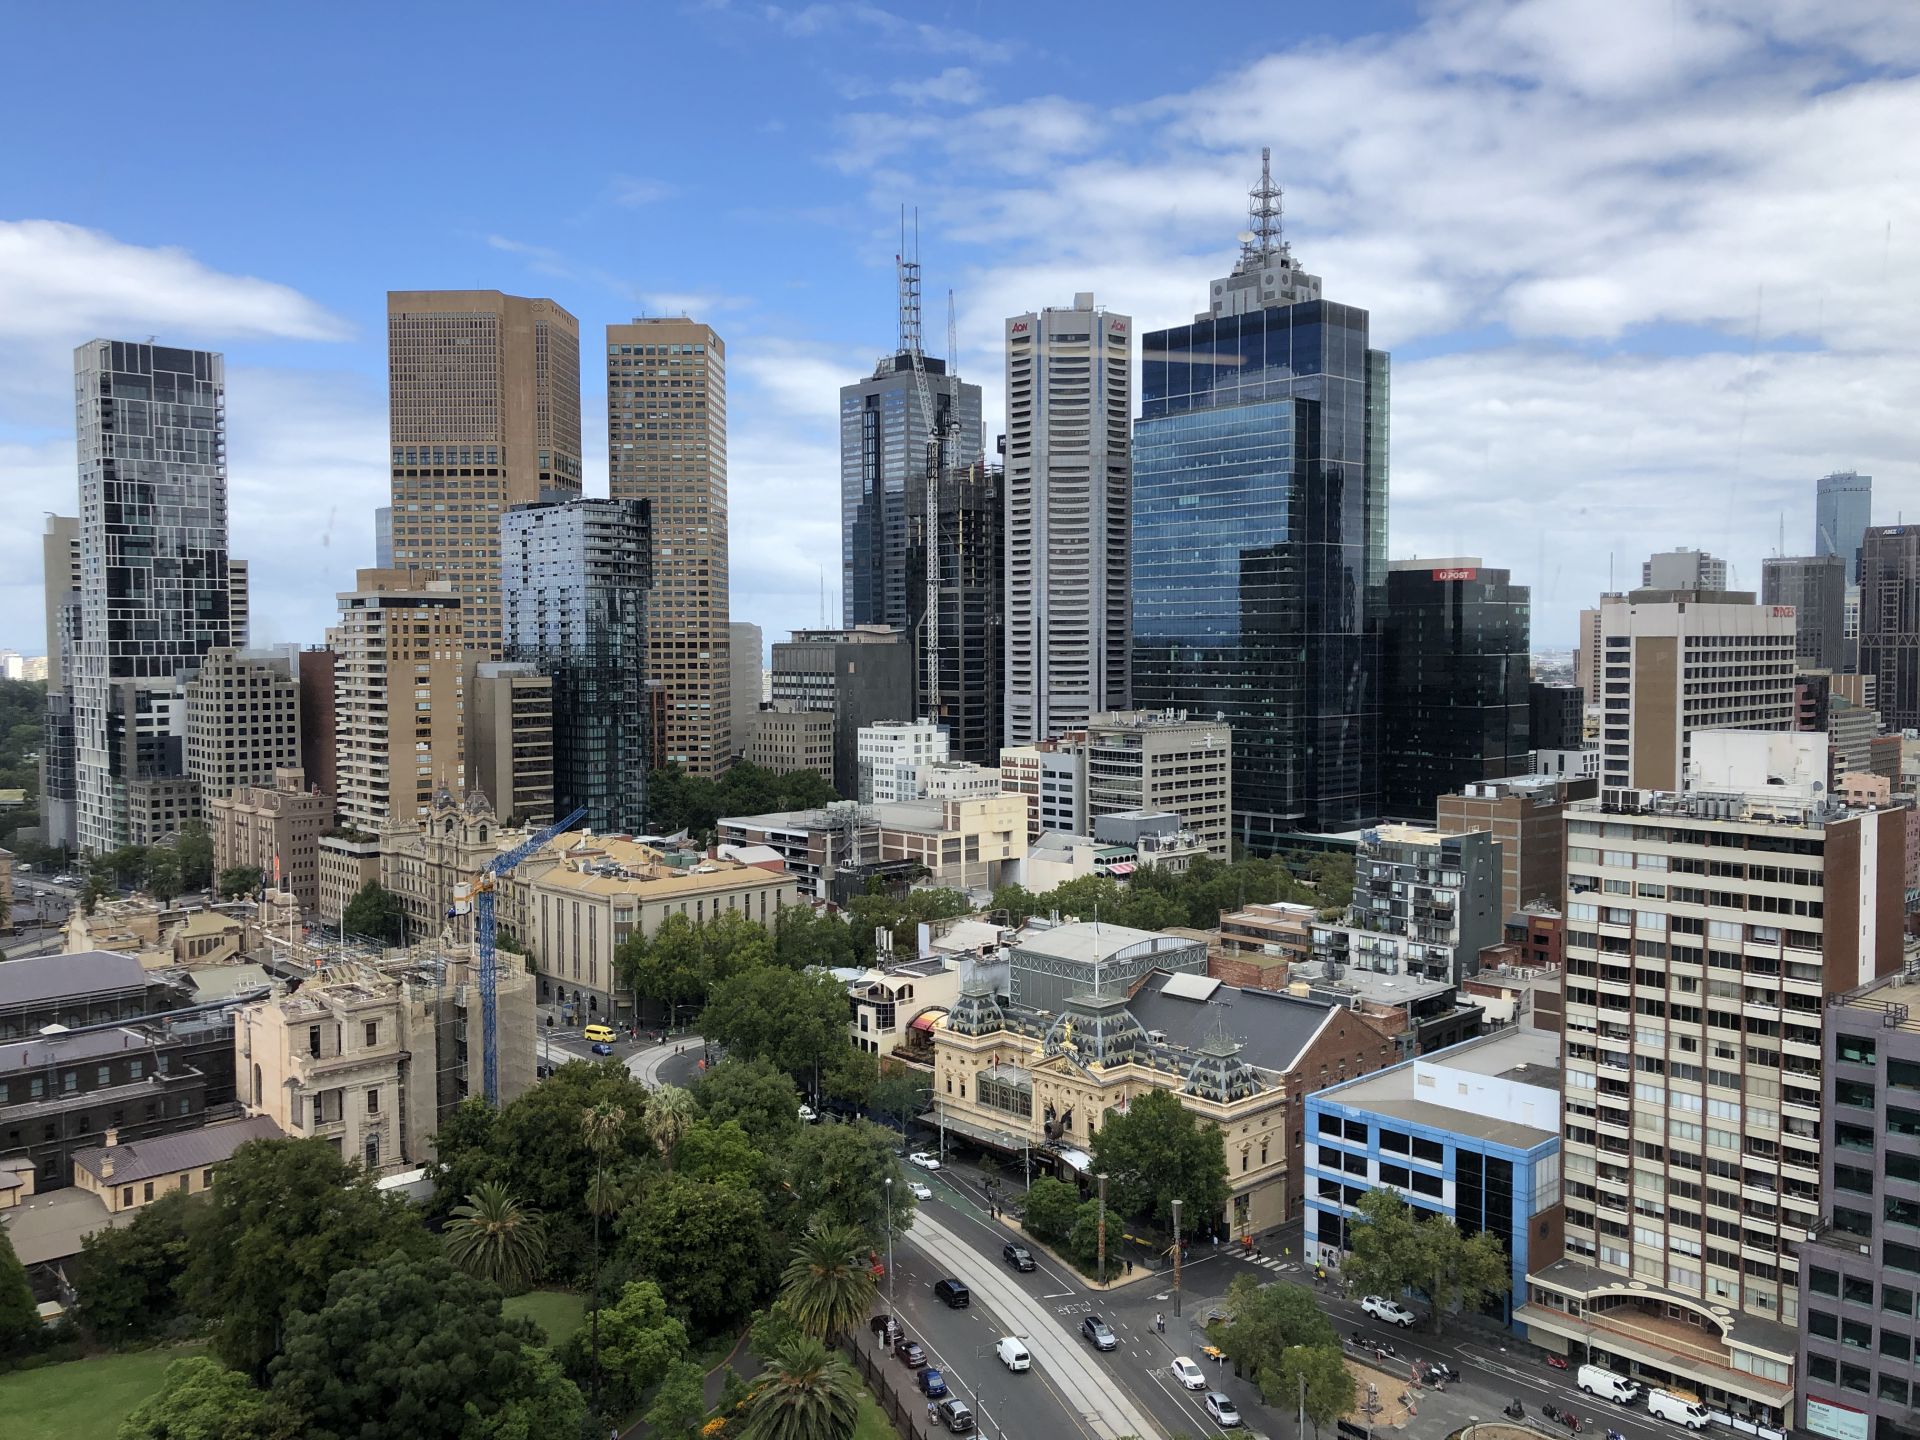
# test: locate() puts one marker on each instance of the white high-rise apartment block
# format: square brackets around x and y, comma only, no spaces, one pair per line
[1069,482]
[1053,777]
[1676,662]
[1683,570]
[891,754]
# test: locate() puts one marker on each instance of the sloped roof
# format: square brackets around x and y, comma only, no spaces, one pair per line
[170,1154]
[41,978]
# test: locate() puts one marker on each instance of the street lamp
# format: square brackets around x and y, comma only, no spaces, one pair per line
[890,1309]
[1176,1258]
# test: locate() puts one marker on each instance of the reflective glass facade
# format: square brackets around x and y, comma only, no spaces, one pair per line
[1259,552]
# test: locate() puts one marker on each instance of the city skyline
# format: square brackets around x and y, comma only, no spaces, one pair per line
[1649,345]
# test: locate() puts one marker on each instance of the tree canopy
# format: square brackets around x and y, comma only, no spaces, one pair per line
[1157,1151]
[1395,1248]
[679,801]
[757,1094]
[794,1020]
[19,1317]
[639,1343]
[1156,899]
[413,1349]
[1268,1321]
[706,1246]
[129,1280]
[682,962]
[201,1399]
[375,913]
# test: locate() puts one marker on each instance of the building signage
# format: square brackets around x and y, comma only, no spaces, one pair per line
[1460,572]
[1019,327]
[1837,1422]
[1783,612]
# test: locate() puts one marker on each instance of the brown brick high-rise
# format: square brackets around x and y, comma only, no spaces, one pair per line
[484,414]
[667,444]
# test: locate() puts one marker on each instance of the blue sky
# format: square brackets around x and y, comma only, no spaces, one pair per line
[1646,267]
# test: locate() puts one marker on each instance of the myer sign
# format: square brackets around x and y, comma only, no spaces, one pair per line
[1837,1422]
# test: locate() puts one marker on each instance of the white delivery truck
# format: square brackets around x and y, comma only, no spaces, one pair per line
[1679,1407]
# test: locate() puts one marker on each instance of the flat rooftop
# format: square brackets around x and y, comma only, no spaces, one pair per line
[1087,941]
[1518,1054]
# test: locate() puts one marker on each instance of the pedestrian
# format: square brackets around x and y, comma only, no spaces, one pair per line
[1129,1267]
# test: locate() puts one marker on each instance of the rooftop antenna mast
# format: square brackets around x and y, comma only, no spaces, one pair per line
[1264,240]
[935,436]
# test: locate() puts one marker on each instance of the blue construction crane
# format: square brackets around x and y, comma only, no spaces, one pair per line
[483,931]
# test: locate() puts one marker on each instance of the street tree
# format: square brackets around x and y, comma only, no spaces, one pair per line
[1269,1320]
[1157,1151]
[286,1218]
[1051,1208]
[722,1154]
[796,1021]
[375,913]
[1317,1372]
[828,1284]
[128,1280]
[901,1095]
[839,1174]
[194,846]
[1460,1272]
[671,1111]
[162,874]
[808,1393]
[680,1404]
[1393,1249]
[492,1236]
[410,1349]
[755,1093]
[201,1399]
[239,881]
[804,938]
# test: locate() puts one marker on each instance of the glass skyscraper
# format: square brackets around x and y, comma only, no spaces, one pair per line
[1843,508]
[1259,536]
[574,580]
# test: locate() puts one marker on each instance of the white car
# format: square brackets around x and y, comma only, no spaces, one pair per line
[1222,1410]
[1387,1310]
[920,1190]
[1013,1353]
[925,1159]
[807,1116]
[1188,1374]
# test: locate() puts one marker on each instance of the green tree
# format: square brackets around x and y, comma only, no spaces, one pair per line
[1157,1151]
[285,1219]
[1382,1247]
[194,846]
[19,1316]
[1329,1388]
[665,967]
[705,1245]
[731,944]
[804,937]
[671,1111]
[808,1393]
[1020,903]
[839,1173]
[411,1349]
[1269,1320]
[200,1399]
[1051,1208]
[1459,1272]
[603,1126]
[721,1155]
[162,873]
[128,1280]
[639,1343]
[548,1404]
[680,1404]
[849,1076]
[757,1095]
[494,1237]
[901,1095]
[829,1284]
[1083,1240]
[375,913]
[796,1021]
[239,881]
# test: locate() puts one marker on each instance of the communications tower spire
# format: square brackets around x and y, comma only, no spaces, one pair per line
[1264,240]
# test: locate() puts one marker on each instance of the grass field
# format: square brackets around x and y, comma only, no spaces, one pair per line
[558,1312]
[83,1399]
[874,1424]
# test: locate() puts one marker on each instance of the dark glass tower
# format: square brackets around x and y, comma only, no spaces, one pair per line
[969,636]
[574,580]
[1259,536]
[1454,671]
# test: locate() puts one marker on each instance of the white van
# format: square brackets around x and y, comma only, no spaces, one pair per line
[1679,1407]
[1012,1353]
[1598,1380]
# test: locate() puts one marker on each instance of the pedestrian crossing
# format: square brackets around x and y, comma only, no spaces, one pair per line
[1279,1267]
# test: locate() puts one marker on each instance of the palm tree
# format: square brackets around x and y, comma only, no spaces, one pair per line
[828,1284]
[808,1393]
[494,1237]
[670,1111]
[602,1125]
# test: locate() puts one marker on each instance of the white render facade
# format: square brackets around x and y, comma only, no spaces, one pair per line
[891,753]
[1069,482]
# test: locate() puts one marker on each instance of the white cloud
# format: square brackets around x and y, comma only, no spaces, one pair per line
[956,85]
[633,191]
[68,284]
[883,27]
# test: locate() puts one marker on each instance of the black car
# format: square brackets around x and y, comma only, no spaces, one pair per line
[909,1351]
[1099,1332]
[955,1415]
[885,1329]
[1017,1256]
[952,1293]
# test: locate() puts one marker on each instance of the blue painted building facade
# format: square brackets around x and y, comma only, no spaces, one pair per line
[1471,1132]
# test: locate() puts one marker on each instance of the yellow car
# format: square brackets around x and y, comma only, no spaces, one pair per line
[602,1033]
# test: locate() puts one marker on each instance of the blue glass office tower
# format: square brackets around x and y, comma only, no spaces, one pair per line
[1259,536]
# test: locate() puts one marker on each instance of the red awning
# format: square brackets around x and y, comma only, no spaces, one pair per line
[922,1023]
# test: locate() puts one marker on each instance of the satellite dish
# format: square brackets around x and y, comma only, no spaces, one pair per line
[1246,237]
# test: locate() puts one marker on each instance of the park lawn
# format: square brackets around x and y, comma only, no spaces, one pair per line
[558,1312]
[874,1424]
[83,1399]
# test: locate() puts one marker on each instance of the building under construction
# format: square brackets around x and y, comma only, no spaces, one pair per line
[966,633]
[373,1049]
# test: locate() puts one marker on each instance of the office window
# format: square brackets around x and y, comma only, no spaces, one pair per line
[373,1101]
[372,1033]
[147,1191]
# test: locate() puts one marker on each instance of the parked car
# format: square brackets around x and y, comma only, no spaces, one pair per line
[955,1415]
[1099,1332]
[1390,1311]
[1222,1410]
[1013,1352]
[1188,1373]
[920,1190]
[1680,1406]
[925,1159]
[932,1383]
[1017,1256]
[909,1351]
[951,1293]
[885,1329]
